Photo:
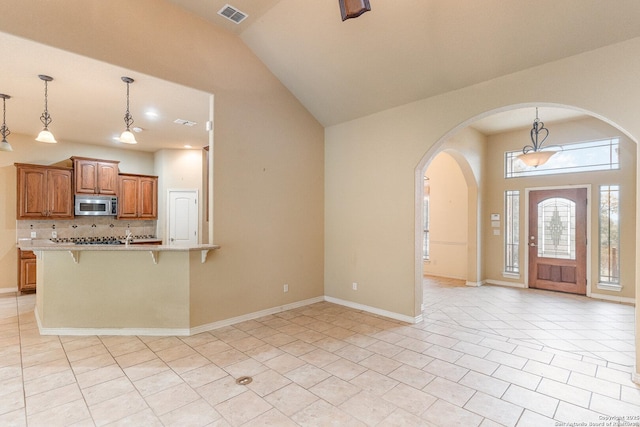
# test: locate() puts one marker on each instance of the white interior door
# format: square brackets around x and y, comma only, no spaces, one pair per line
[183,217]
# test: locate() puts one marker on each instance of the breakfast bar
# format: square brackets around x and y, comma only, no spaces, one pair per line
[117,289]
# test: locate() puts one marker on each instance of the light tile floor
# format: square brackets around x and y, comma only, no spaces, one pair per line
[485,356]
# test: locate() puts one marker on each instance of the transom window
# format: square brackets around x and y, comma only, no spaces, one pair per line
[579,157]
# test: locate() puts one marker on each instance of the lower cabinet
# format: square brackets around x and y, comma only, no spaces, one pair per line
[26,271]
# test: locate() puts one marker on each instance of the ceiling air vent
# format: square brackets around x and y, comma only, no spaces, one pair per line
[232,14]
[184,122]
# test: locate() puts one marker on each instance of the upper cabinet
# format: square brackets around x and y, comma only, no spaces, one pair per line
[138,196]
[94,176]
[44,192]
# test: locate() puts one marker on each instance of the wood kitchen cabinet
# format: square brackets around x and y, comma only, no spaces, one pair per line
[94,176]
[26,271]
[44,192]
[138,196]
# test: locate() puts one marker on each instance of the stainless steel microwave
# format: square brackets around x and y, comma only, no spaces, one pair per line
[96,205]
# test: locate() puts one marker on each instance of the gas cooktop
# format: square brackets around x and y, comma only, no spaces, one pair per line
[111,240]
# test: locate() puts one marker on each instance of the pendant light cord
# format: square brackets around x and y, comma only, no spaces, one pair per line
[4,130]
[128,120]
[45,118]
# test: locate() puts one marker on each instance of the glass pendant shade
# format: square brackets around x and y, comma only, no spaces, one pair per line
[536,158]
[5,146]
[128,138]
[45,135]
[4,130]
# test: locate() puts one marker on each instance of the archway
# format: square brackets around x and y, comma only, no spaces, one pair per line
[454,140]
[454,217]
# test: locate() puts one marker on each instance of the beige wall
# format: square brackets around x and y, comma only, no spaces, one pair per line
[268,161]
[372,164]
[448,215]
[27,150]
[562,133]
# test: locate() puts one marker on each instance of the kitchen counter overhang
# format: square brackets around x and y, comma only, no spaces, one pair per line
[118,289]
[74,250]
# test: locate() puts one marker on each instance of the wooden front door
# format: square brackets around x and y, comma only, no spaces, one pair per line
[558,240]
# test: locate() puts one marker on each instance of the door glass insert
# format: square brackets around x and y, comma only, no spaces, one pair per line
[557,228]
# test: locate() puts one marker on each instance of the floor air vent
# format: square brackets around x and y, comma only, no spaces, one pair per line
[232,14]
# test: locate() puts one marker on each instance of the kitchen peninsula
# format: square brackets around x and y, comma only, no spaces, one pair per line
[117,289]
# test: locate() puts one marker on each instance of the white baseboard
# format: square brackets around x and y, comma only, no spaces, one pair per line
[374,310]
[625,300]
[8,290]
[503,283]
[474,284]
[254,315]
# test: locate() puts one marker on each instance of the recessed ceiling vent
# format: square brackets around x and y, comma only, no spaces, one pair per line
[185,122]
[232,14]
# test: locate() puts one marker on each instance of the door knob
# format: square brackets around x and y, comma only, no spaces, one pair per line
[533,245]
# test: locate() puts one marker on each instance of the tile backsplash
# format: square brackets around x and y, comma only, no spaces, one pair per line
[84,227]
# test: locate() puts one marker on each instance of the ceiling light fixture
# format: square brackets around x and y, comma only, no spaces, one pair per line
[4,130]
[45,135]
[532,155]
[353,8]
[127,137]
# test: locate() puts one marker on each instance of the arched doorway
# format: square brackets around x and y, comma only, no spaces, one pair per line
[490,201]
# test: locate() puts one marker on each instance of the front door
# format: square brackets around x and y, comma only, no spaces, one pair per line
[558,240]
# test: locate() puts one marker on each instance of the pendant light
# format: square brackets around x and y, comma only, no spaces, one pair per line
[532,155]
[4,130]
[127,137]
[45,135]
[353,8]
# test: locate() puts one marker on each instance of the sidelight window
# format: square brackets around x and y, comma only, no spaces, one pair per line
[512,231]
[425,220]
[609,231]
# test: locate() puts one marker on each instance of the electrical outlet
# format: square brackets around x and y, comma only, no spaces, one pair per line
[286,287]
[33,234]
[54,234]
[354,286]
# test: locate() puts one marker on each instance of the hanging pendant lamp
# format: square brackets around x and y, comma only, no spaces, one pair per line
[533,155]
[353,8]
[127,137]
[4,130]
[45,135]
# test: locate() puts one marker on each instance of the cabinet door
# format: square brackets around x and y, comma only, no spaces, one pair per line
[128,198]
[86,176]
[32,195]
[148,198]
[107,178]
[27,275]
[59,196]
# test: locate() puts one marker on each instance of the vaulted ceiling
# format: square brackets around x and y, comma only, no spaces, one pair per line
[400,51]
[405,50]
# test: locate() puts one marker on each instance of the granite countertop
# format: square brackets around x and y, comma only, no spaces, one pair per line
[48,245]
